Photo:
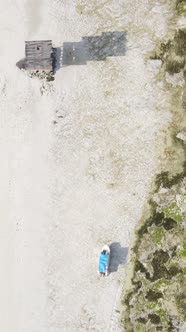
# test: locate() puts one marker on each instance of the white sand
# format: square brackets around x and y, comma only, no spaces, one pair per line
[68,188]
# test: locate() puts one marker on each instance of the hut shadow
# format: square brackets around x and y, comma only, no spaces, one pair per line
[118,256]
[90,48]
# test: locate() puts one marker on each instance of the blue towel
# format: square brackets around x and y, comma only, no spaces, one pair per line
[103,263]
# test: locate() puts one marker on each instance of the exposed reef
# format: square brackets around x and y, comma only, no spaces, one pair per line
[156,286]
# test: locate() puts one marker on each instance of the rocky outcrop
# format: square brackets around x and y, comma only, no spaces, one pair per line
[155,296]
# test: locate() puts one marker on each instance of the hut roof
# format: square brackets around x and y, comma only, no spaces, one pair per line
[39,55]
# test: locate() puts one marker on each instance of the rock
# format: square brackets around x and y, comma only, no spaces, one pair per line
[181,135]
[176,80]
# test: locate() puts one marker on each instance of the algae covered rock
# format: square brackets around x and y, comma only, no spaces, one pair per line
[155,296]
[155,301]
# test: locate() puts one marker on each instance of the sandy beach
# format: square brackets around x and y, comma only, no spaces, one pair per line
[77,159]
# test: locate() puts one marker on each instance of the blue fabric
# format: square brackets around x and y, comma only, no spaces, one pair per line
[103,263]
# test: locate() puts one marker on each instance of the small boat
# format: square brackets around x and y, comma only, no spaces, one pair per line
[104,261]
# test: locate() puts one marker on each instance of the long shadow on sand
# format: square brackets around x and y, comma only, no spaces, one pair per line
[118,256]
[90,48]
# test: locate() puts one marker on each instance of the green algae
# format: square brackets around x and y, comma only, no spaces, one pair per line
[162,313]
[181,304]
[181,7]
[140,328]
[151,306]
[157,234]
[172,211]
[182,252]
[160,285]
